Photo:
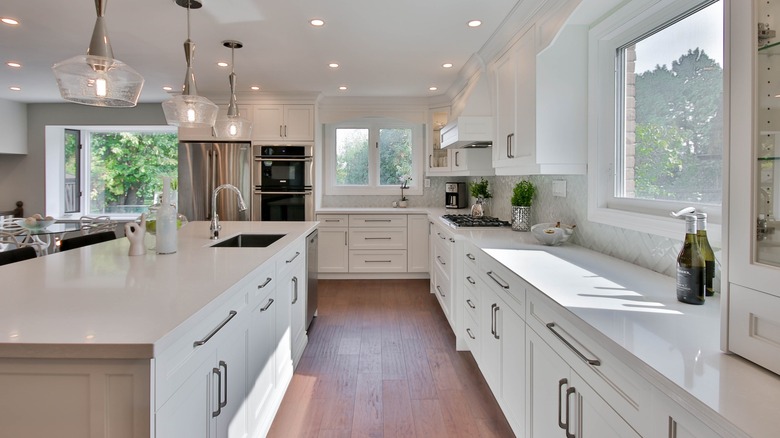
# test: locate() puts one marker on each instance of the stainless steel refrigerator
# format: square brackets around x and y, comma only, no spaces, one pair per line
[205,166]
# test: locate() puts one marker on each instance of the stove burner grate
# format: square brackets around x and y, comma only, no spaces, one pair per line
[466,220]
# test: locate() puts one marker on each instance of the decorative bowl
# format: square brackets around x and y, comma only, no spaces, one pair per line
[552,234]
[37,225]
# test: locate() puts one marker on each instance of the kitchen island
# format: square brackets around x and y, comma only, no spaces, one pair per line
[94,342]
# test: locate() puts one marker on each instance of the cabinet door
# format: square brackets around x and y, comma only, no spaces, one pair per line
[417,245]
[490,327]
[513,392]
[548,380]
[673,421]
[505,108]
[333,250]
[595,418]
[232,348]
[268,122]
[262,369]
[188,412]
[524,143]
[299,122]
[292,285]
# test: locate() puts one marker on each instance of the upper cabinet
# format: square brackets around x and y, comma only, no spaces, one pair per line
[541,101]
[753,256]
[453,162]
[283,123]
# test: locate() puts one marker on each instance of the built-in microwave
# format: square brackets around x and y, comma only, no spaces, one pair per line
[282,178]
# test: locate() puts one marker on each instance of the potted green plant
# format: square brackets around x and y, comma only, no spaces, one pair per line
[522,197]
[480,190]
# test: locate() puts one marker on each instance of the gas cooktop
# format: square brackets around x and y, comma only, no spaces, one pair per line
[466,220]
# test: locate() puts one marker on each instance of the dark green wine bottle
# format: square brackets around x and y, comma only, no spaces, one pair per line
[691,283]
[707,253]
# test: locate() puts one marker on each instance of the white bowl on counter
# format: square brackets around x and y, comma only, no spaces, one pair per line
[549,234]
[36,226]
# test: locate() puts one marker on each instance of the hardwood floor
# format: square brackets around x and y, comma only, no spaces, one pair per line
[381,362]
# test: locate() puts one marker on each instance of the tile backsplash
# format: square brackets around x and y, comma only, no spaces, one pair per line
[652,252]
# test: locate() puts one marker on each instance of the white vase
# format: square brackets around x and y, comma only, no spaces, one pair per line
[402,204]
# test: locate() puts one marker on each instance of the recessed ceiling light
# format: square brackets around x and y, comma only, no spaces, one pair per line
[333,65]
[316,22]
[447,65]
[222,64]
[9,21]
[343,87]
[13,64]
[433,88]
[15,88]
[167,88]
[254,87]
[475,23]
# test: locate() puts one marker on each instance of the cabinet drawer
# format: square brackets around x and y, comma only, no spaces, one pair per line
[505,283]
[175,364]
[442,288]
[262,280]
[290,257]
[377,261]
[333,220]
[377,238]
[472,256]
[754,326]
[622,388]
[377,220]
[472,285]
[471,334]
[442,257]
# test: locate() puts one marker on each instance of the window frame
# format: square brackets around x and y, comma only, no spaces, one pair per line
[55,161]
[373,187]
[630,23]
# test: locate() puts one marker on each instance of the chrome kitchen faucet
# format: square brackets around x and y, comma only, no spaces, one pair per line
[215,226]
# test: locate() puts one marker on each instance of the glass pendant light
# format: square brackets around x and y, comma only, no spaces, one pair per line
[233,125]
[189,110]
[97,78]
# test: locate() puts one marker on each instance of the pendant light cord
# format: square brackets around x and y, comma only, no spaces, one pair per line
[188,20]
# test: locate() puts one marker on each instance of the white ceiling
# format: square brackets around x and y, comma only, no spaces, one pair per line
[384,48]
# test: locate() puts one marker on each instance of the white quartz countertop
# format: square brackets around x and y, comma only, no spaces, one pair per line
[98,302]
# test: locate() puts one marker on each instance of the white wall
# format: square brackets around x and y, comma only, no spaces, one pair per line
[13,120]
[23,178]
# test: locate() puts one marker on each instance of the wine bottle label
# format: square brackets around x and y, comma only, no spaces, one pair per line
[690,284]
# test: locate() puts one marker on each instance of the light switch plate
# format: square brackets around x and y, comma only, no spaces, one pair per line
[427,182]
[559,188]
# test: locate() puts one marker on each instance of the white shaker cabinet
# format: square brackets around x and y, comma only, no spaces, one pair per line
[262,345]
[283,123]
[333,248]
[418,230]
[561,403]
[515,75]
[291,269]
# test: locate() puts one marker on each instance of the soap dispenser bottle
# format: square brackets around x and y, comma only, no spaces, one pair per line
[166,222]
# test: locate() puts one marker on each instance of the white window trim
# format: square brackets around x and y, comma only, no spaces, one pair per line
[55,163]
[329,159]
[625,24]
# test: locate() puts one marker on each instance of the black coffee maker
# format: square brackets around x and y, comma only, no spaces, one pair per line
[455,195]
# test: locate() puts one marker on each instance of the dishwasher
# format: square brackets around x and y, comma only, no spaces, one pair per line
[311,272]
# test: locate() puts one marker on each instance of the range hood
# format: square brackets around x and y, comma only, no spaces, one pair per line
[471,125]
[468,132]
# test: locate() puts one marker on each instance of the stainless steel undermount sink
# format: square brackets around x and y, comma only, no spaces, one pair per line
[249,241]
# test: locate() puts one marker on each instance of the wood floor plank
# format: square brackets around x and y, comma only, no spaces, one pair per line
[442,370]
[428,421]
[457,414]
[397,410]
[370,351]
[393,363]
[337,418]
[367,420]
[418,372]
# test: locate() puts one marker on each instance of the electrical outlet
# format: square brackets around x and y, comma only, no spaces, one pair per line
[427,182]
[559,188]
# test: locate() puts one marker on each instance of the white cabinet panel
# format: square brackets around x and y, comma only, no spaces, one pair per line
[754,326]
[384,260]
[377,238]
[333,250]
[283,123]
[417,243]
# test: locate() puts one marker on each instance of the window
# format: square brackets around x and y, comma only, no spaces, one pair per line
[115,172]
[371,157]
[661,80]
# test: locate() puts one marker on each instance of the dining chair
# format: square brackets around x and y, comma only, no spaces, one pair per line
[17,255]
[96,224]
[11,238]
[86,239]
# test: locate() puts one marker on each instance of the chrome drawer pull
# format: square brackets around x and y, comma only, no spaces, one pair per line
[440,260]
[378,238]
[594,362]
[440,236]
[496,308]
[270,301]
[378,220]
[267,280]
[471,280]
[452,240]
[440,293]
[295,290]
[471,304]
[471,335]
[470,256]
[561,424]
[214,332]
[219,391]
[498,280]
[378,261]
[293,257]
[569,392]
[223,364]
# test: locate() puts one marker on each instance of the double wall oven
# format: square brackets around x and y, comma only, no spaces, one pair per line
[282,178]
